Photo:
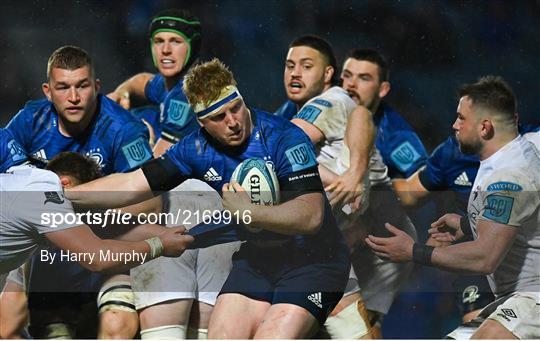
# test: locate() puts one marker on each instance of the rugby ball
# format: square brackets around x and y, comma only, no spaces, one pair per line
[259,179]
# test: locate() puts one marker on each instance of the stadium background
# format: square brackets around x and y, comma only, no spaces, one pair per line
[432,47]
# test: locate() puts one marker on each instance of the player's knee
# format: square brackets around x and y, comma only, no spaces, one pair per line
[118,317]
[350,323]
[118,325]
[171,332]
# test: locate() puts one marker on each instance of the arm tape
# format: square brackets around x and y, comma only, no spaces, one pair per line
[162,175]
[422,254]
[465,225]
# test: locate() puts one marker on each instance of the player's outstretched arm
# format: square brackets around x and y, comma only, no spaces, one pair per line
[359,138]
[301,215]
[115,190]
[81,240]
[132,87]
[410,190]
[481,256]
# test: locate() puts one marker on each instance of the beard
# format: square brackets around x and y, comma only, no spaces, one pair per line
[470,148]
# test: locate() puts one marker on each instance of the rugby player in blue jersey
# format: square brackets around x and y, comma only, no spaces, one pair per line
[175,42]
[75,117]
[365,76]
[285,279]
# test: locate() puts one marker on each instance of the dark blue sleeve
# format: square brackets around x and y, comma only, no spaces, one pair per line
[132,147]
[287,110]
[296,163]
[178,119]
[401,148]
[155,90]
[11,152]
[433,176]
[178,155]
[528,128]
[21,125]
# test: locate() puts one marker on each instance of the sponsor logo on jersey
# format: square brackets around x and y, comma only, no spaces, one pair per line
[505,186]
[178,112]
[300,157]
[316,298]
[507,314]
[322,102]
[309,113]
[470,294]
[404,156]
[53,197]
[463,180]
[16,151]
[498,208]
[40,155]
[212,175]
[137,152]
[95,155]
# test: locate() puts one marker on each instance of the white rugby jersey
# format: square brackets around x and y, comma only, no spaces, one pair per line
[329,112]
[534,138]
[25,194]
[507,191]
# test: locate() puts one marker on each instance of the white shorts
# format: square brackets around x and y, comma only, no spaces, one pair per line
[520,314]
[197,274]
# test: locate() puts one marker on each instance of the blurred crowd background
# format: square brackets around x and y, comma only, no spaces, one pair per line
[432,48]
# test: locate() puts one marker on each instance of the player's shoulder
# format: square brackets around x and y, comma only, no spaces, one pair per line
[333,97]
[517,163]
[113,118]
[271,123]
[30,178]
[33,108]
[287,110]
[393,118]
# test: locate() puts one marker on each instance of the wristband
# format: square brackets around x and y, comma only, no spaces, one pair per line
[465,225]
[156,247]
[422,254]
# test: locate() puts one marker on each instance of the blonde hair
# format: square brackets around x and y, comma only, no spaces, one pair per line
[204,82]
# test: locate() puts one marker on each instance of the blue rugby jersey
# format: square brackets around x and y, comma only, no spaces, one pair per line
[287,110]
[115,139]
[155,90]
[274,140]
[176,119]
[449,169]
[11,152]
[399,145]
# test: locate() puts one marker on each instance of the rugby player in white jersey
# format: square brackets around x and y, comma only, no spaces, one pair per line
[327,114]
[503,216]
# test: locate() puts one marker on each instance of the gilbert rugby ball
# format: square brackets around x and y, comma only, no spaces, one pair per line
[259,179]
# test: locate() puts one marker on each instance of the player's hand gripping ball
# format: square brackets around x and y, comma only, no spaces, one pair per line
[260,181]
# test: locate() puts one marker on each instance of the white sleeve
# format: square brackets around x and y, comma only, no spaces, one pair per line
[328,113]
[509,198]
[44,205]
